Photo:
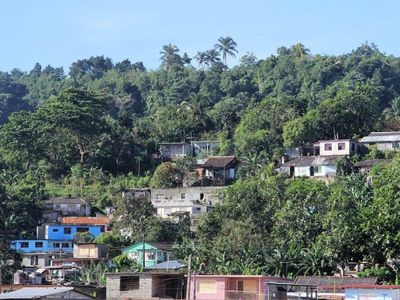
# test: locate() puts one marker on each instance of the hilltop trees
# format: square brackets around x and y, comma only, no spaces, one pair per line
[227,47]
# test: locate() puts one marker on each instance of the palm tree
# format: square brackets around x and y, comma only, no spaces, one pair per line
[201,58]
[169,55]
[226,46]
[212,57]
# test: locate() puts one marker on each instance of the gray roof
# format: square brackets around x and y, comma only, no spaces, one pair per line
[331,280]
[64,200]
[167,265]
[381,137]
[304,161]
[369,163]
[35,292]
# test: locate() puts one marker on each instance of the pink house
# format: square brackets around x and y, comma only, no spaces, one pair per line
[231,287]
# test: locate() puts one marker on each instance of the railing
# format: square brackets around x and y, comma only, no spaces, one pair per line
[242,295]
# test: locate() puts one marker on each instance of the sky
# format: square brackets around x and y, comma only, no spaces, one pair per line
[59,32]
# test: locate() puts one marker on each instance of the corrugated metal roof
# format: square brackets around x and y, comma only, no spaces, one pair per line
[303,161]
[85,220]
[62,200]
[219,161]
[335,281]
[167,265]
[381,137]
[372,162]
[32,293]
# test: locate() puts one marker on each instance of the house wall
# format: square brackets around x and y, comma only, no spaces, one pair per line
[57,232]
[43,260]
[322,172]
[175,150]
[48,246]
[114,284]
[204,146]
[209,288]
[335,150]
[70,209]
[371,294]
[90,251]
[167,201]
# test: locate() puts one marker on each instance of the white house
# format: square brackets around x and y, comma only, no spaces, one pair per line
[345,147]
[193,201]
[311,166]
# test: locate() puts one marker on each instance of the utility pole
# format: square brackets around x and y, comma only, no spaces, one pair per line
[142,219]
[189,276]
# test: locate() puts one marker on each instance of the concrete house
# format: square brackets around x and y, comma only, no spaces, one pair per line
[192,201]
[90,250]
[146,286]
[382,140]
[155,253]
[221,287]
[66,232]
[56,207]
[312,166]
[345,147]
[324,165]
[41,246]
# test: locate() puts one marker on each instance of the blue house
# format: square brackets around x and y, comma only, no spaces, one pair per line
[67,232]
[41,246]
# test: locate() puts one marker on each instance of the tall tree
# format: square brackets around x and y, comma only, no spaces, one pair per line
[212,57]
[169,55]
[226,46]
[80,113]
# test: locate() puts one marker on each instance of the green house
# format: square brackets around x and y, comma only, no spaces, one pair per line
[155,253]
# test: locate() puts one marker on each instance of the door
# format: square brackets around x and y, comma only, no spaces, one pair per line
[291,171]
[312,171]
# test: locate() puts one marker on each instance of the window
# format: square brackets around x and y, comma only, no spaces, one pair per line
[207,286]
[342,146]
[24,244]
[128,283]
[328,147]
[151,256]
[55,230]
[56,245]
[39,244]
[183,196]
[64,245]
[240,285]
[159,196]
[353,147]
[396,145]
[317,169]
[34,260]
[67,230]
[201,196]
[82,229]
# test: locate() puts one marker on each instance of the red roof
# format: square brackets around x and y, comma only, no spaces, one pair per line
[85,220]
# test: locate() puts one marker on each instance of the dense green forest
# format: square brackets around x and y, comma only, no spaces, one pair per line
[92,133]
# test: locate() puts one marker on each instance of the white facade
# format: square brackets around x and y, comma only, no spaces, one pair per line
[315,171]
[193,200]
[338,147]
